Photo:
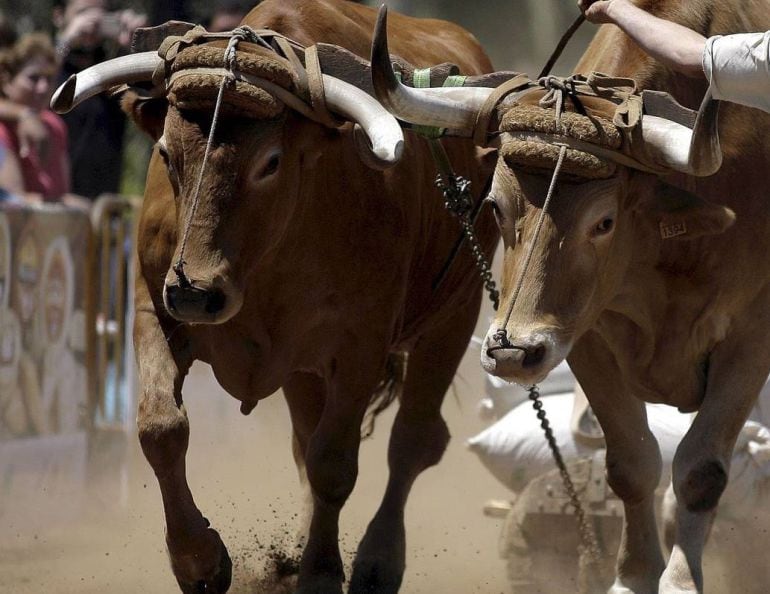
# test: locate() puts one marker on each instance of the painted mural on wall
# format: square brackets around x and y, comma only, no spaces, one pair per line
[43,382]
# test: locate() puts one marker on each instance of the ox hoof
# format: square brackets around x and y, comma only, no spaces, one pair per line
[372,577]
[213,581]
[671,587]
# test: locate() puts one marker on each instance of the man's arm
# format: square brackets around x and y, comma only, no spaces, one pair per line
[672,44]
[738,68]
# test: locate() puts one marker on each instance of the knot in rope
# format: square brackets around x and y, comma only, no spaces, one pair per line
[503,343]
[230,54]
[558,90]
[242,33]
[246,33]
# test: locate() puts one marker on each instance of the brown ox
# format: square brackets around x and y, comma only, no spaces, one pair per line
[303,270]
[680,318]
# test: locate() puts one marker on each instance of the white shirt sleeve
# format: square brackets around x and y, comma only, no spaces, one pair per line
[738,68]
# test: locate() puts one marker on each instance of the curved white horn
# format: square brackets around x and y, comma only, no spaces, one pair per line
[452,107]
[382,129]
[100,77]
[384,134]
[693,151]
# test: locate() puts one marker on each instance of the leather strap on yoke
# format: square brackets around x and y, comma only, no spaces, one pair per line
[315,85]
[518,83]
[305,63]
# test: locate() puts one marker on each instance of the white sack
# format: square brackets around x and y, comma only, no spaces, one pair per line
[515,451]
[502,396]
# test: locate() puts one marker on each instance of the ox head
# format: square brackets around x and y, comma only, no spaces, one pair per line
[232,212]
[608,215]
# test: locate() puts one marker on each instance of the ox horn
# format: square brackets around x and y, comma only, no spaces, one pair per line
[693,151]
[385,136]
[455,108]
[128,69]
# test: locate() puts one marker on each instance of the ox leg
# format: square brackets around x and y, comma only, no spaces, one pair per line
[633,465]
[418,440]
[198,557]
[737,371]
[305,395]
[331,460]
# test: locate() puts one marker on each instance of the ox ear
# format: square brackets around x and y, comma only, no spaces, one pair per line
[148,113]
[682,215]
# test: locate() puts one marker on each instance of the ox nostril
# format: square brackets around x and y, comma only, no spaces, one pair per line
[534,356]
[215,301]
[191,300]
[172,292]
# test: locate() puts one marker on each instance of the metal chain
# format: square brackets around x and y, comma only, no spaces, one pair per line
[590,543]
[458,201]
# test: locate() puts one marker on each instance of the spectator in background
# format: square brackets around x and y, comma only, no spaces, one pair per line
[87,33]
[228,14]
[27,72]
[31,130]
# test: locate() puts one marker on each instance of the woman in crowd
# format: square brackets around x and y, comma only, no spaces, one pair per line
[27,71]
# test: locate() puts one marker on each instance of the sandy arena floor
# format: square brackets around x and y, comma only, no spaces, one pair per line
[242,474]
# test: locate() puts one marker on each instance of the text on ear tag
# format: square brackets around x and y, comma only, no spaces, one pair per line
[669,230]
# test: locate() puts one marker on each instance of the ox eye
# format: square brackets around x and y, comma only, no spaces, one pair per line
[272,166]
[604,226]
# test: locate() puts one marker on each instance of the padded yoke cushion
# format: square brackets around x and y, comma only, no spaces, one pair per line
[535,155]
[198,91]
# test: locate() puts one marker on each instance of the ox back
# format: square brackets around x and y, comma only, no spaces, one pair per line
[321,268]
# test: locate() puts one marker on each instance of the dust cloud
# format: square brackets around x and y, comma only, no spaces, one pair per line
[111,538]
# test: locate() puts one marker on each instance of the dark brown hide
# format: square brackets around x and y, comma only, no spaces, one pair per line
[321,268]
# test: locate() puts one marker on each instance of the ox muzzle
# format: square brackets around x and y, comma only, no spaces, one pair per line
[525,359]
[198,302]
[191,301]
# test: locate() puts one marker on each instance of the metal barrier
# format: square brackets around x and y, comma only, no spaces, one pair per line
[43,348]
[110,313]
[66,308]
[66,358]
[44,421]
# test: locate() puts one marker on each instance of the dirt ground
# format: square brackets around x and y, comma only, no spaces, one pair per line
[243,477]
